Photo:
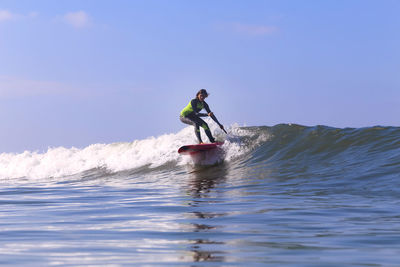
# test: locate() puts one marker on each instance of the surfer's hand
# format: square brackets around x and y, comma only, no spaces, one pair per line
[210,114]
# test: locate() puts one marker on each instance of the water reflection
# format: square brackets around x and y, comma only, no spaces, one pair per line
[204,255]
[201,182]
[203,179]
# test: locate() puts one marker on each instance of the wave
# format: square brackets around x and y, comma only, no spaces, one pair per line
[287,146]
[322,151]
[151,152]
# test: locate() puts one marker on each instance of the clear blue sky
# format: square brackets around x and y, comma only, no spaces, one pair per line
[74,73]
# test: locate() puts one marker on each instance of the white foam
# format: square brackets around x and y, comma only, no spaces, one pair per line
[152,152]
[235,146]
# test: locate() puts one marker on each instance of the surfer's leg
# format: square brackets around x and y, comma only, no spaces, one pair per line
[197,133]
[204,125]
[187,120]
[209,135]
[193,121]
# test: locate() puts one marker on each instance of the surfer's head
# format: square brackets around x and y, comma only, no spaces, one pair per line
[202,94]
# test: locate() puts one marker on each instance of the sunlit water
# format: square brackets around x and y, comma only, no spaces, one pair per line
[298,196]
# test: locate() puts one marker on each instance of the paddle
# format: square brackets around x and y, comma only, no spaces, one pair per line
[223,129]
[215,119]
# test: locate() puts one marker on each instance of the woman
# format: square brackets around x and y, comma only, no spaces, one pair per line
[190,115]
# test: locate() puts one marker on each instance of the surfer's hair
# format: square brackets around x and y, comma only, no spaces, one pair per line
[202,92]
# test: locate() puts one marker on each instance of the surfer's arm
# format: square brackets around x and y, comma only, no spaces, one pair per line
[202,114]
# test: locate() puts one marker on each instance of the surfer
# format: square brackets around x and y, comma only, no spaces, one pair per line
[190,115]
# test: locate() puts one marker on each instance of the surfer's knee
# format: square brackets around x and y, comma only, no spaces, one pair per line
[205,126]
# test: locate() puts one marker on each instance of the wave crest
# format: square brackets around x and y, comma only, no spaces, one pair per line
[284,145]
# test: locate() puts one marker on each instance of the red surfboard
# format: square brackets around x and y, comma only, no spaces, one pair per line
[194,149]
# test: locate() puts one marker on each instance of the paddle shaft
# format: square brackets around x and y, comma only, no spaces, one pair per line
[215,119]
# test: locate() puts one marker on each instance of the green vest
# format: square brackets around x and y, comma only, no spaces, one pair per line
[189,109]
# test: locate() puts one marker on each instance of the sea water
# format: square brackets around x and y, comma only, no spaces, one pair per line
[287,195]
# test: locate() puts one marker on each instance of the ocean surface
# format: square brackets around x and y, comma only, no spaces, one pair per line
[286,195]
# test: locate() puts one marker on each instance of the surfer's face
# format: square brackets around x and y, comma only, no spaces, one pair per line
[201,97]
